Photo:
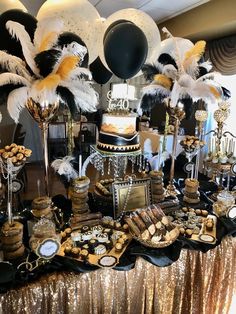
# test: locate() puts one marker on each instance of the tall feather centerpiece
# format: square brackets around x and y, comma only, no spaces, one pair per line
[179,78]
[50,74]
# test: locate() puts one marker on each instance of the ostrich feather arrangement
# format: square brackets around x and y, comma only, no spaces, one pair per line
[49,71]
[64,167]
[187,80]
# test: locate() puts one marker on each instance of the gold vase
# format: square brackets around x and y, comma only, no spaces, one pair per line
[42,113]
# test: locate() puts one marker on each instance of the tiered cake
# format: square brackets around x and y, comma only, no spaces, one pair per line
[118,132]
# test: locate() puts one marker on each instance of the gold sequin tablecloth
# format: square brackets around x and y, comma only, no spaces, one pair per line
[198,283]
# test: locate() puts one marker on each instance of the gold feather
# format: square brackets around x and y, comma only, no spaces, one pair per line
[49,82]
[68,64]
[197,51]
[46,41]
[214,92]
[163,80]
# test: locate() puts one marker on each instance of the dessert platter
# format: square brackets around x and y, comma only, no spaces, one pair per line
[195,224]
[98,244]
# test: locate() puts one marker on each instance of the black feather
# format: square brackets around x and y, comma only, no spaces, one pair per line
[201,71]
[67,38]
[150,101]
[165,59]
[46,61]
[149,70]
[226,92]
[5,91]
[69,99]
[188,107]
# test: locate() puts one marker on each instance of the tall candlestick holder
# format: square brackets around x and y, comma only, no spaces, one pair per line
[221,149]
[177,114]
[9,173]
[42,113]
[201,117]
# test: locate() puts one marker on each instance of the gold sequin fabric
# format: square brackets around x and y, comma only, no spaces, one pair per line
[198,283]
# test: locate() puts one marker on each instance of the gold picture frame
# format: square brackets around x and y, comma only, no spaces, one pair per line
[139,195]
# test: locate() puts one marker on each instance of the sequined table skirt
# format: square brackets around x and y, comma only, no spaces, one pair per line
[198,283]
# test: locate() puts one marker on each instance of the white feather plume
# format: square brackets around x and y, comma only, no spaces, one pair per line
[18,30]
[208,76]
[44,27]
[64,167]
[78,71]
[207,65]
[170,71]
[75,49]
[12,78]
[154,89]
[201,90]
[14,64]
[86,98]
[16,102]
[177,51]
[177,93]
[191,66]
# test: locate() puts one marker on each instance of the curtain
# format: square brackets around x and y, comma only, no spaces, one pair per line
[222,54]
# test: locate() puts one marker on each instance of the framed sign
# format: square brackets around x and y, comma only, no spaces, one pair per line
[231,213]
[189,167]
[48,248]
[130,196]
[233,168]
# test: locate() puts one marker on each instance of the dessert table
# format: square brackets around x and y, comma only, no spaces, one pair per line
[196,283]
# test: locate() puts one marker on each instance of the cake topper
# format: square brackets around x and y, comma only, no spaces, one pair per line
[119,97]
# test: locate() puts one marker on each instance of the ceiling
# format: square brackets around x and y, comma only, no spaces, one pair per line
[159,10]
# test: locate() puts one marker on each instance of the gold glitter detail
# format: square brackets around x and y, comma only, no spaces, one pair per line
[198,283]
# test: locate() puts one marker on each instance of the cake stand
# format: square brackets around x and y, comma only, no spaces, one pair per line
[116,162]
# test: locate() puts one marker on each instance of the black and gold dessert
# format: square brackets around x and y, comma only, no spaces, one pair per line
[42,207]
[95,240]
[157,186]
[151,227]
[191,193]
[79,195]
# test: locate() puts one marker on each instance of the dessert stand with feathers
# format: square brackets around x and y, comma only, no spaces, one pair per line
[51,73]
[221,159]
[179,78]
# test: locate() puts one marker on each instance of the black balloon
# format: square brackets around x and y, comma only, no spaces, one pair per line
[7,42]
[99,72]
[125,49]
[67,38]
